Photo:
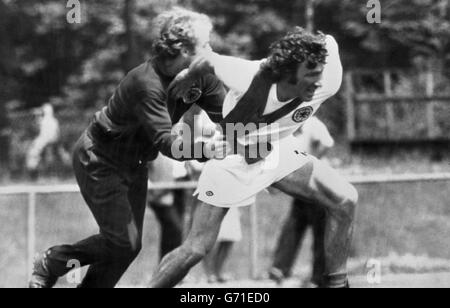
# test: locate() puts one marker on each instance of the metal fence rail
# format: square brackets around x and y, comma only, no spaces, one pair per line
[33,191]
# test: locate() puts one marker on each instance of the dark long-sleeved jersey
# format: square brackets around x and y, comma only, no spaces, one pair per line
[136,124]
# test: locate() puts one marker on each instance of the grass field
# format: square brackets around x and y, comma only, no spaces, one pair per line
[405,226]
[435,280]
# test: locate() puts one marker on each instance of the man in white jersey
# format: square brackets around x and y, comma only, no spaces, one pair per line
[48,139]
[282,91]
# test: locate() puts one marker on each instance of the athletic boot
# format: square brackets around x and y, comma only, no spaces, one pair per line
[41,277]
[276,275]
[335,281]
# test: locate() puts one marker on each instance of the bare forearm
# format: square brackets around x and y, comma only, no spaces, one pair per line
[235,73]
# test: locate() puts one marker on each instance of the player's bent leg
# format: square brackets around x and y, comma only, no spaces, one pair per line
[119,212]
[318,182]
[322,185]
[108,255]
[201,239]
[107,273]
[123,246]
[108,262]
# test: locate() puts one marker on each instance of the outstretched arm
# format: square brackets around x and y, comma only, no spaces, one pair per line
[236,73]
[154,117]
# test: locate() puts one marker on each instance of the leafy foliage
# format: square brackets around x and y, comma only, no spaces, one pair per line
[77,66]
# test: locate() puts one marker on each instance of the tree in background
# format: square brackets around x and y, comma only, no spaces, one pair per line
[77,66]
[408,27]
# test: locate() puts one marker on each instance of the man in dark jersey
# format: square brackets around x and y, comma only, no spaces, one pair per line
[110,159]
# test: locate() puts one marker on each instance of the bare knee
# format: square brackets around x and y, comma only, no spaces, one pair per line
[194,255]
[352,195]
[204,232]
[196,252]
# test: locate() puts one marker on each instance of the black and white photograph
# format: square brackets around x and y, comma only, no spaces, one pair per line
[228,149]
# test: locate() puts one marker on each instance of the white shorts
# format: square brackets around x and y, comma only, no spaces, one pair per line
[234,183]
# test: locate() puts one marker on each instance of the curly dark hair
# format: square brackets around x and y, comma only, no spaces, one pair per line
[295,48]
[180,28]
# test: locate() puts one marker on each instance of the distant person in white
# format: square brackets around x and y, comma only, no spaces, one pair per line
[48,138]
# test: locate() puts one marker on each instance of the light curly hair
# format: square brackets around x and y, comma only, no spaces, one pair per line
[178,28]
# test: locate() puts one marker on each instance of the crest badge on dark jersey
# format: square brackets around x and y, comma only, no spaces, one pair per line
[192,95]
[302,114]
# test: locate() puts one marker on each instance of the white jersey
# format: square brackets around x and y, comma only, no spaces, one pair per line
[232,182]
[49,129]
[239,82]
